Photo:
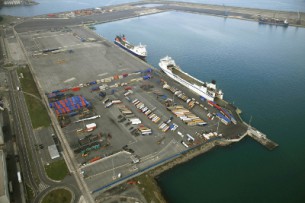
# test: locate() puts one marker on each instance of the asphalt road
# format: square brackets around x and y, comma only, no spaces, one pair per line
[32,164]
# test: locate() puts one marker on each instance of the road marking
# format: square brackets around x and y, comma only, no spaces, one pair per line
[69,80]
[42,187]
[102,74]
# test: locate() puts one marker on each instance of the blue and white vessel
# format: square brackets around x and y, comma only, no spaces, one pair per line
[204,89]
[138,50]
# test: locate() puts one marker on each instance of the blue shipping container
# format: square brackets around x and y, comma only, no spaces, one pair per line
[202,98]
[92,83]
[146,77]
[223,117]
[56,91]
[94,88]
[149,70]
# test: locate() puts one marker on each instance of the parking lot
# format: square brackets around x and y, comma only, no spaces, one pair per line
[115,149]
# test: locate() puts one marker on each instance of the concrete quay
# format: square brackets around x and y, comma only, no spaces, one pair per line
[261,138]
[294,18]
[101,59]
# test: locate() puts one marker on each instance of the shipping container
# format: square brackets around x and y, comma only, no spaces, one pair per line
[92,83]
[156,120]
[75,89]
[94,88]
[165,129]
[109,104]
[162,125]
[151,116]
[116,101]
[147,112]
[106,100]
[146,77]
[184,144]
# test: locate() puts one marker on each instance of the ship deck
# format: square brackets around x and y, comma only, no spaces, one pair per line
[186,77]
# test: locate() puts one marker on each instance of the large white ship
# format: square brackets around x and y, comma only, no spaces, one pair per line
[204,89]
[138,50]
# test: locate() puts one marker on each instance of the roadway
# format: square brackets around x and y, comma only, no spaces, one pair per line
[68,154]
[31,163]
[32,168]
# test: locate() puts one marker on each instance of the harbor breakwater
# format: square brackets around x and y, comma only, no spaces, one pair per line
[137,9]
[294,18]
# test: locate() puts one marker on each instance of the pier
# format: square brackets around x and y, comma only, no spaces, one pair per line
[261,138]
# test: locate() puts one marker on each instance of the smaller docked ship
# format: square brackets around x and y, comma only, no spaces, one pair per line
[273,21]
[204,89]
[138,50]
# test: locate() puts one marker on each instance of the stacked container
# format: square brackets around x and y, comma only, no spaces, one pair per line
[69,105]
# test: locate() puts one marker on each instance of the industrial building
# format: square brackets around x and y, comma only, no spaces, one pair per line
[53,151]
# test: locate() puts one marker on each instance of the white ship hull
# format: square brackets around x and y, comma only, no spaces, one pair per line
[200,90]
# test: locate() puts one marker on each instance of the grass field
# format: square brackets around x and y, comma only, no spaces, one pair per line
[29,192]
[38,113]
[59,195]
[57,170]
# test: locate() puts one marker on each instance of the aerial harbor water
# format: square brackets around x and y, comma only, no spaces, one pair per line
[48,6]
[261,69]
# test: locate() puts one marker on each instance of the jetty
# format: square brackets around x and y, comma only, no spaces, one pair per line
[261,138]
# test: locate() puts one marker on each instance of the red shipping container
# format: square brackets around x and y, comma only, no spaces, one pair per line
[75,89]
[64,90]
[128,88]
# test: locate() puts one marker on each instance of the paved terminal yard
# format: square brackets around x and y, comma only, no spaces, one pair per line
[76,63]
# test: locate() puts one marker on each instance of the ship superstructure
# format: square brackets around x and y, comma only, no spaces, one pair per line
[138,50]
[204,89]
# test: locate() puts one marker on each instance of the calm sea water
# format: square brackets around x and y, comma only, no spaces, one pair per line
[53,6]
[261,69]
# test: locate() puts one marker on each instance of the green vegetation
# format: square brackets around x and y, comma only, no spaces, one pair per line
[38,113]
[8,65]
[29,193]
[59,195]
[57,170]
[149,188]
